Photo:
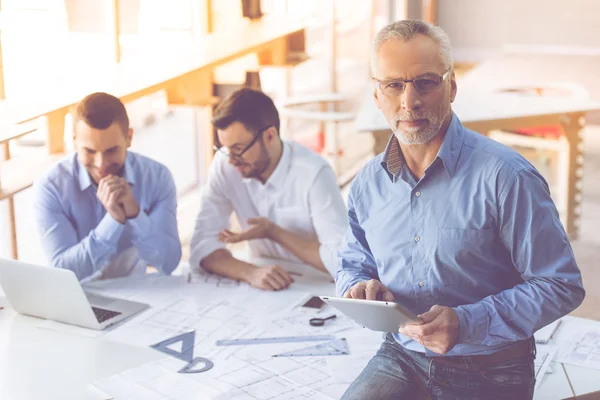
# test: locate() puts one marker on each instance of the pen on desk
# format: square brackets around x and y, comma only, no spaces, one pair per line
[294,273]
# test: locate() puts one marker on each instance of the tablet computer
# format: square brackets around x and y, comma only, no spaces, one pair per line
[381,316]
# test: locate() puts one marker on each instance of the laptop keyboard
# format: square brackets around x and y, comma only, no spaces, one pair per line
[103,315]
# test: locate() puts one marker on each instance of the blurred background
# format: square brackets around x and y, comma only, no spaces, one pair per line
[53,52]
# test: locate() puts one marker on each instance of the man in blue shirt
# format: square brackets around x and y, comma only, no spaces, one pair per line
[458,228]
[106,212]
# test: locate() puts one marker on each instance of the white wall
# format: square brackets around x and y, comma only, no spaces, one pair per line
[479,28]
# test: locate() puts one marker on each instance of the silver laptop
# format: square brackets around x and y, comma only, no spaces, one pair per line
[54,293]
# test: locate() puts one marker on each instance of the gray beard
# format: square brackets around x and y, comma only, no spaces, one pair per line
[419,135]
[416,136]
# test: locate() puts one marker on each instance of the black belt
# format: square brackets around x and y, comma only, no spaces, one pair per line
[520,349]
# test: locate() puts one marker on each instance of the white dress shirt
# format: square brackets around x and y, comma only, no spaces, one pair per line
[301,196]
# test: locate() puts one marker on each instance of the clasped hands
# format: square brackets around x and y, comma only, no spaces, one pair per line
[117,198]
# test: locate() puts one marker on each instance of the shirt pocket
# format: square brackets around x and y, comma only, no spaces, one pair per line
[460,252]
[295,219]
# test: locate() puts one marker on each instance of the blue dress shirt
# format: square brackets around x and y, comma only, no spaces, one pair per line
[478,232]
[78,234]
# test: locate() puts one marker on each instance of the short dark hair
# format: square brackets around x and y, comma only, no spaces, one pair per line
[100,110]
[252,108]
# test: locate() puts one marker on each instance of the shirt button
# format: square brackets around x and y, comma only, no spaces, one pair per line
[418,194]
[421,284]
[417,238]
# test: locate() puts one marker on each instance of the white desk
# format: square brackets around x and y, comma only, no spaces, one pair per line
[38,363]
[41,364]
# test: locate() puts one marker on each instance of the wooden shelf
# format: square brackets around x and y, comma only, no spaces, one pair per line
[296,58]
[12,132]
[19,174]
[130,81]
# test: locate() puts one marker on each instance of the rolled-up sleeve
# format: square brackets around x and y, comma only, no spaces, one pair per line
[328,214]
[531,230]
[215,211]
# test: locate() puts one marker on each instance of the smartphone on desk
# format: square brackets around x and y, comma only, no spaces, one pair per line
[313,304]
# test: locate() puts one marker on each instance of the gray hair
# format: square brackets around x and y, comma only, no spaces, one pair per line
[405,30]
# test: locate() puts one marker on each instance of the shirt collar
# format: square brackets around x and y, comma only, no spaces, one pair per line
[85,181]
[393,159]
[277,178]
[84,178]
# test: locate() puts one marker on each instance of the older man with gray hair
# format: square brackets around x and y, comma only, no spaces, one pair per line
[456,227]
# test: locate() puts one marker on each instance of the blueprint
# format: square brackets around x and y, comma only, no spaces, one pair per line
[211,316]
[583,350]
[216,308]
[154,381]
[251,371]
[204,278]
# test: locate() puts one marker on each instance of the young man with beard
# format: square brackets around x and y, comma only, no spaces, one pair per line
[104,211]
[284,195]
[456,227]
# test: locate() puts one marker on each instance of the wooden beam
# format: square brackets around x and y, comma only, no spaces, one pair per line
[201,18]
[396,10]
[429,11]
[208,16]
[194,90]
[573,125]
[55,127]
[2,90]
[113,19]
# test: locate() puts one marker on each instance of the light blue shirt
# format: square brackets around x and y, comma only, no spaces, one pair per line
[78,234]
[478,232]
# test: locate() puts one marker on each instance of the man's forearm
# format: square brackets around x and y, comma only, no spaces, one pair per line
[92,252]
[306,250]
[516,313]
[221,262]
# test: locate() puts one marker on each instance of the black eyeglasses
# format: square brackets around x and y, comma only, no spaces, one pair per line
[423,84]
[238,156]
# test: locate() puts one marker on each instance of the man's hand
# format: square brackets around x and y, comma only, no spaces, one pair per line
[128,202]
[270,278]
[261,228]
[369,290]
[438,332]
[109,193]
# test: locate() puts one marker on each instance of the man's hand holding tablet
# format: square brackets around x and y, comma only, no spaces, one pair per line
[369,290]
[436,329]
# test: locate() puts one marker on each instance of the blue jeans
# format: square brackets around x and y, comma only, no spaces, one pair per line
[398,373]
